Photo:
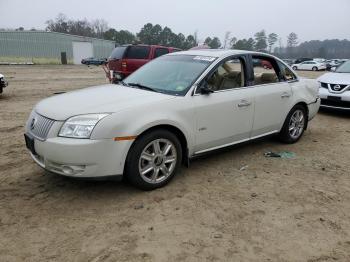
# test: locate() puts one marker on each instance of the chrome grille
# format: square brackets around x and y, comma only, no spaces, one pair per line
[39,126]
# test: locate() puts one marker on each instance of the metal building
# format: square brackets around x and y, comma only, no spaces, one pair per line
[31,45]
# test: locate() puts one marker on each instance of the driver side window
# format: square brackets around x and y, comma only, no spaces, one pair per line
[229,75]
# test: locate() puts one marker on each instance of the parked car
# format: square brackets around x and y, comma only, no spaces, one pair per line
[128,58]
[266,64]
[289,61]
[303,59]
[262,63]
[309,65]
[3,83]
[93,61]
[335,88]
[172,109]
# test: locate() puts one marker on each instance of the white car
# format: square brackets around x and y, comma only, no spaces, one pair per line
[170,110]
[310,65]
[335,88]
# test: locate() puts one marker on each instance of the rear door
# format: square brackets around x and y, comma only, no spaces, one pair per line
[135,57]
[272,97]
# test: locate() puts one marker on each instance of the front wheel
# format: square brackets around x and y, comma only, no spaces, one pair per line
[314,68]
[294,125]
[295,68]
[153,160]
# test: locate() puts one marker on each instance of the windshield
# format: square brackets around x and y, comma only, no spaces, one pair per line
[344,68]
[171,74]
[118,52]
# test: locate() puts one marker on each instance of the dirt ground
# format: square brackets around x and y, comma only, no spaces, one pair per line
[272,210]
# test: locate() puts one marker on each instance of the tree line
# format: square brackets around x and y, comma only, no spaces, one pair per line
[156,34]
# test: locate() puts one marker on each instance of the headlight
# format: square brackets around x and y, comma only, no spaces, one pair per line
[80,126]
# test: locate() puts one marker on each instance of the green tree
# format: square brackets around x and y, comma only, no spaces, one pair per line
[245,44]
[260,41]
[110,34]
[189,42]
[145,34]
[272,40]
[292,40]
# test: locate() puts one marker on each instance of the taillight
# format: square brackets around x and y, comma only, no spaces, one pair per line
[124,65]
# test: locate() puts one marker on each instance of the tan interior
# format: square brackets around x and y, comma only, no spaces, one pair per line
[265,78]
[227,77]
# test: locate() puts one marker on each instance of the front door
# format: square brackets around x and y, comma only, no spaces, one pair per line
[224,116]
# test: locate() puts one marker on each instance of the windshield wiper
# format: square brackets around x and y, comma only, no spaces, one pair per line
[138,85]
[123,83]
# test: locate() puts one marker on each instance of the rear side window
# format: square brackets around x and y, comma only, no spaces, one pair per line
[160,51]
[137,52]
[118,52]
[286,73]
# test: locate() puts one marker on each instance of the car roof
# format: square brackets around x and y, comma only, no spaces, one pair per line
[217,52]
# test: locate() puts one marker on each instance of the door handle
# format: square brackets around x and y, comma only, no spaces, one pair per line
[244,103]
[285,95]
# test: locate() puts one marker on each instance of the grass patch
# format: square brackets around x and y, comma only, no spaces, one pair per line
[34,60]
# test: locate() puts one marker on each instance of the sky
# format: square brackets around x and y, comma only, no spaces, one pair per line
[310,19]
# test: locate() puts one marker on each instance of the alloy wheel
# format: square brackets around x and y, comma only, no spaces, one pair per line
[157,161]
[296,124]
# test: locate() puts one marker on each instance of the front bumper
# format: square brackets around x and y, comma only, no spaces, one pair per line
[83,158]
[334,100]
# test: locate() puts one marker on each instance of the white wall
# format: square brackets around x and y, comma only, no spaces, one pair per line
[82,50]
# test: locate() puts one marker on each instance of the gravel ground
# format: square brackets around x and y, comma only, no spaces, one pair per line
[234,205]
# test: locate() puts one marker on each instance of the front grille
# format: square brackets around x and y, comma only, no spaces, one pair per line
[337,88]
[340,103]
[39,126]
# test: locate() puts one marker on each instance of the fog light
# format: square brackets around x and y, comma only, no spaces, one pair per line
[67,170]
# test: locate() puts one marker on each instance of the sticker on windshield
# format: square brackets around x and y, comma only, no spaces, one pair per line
[204,58]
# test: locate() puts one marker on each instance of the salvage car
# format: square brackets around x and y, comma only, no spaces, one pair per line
[172,109]
[3,83]
[335,88]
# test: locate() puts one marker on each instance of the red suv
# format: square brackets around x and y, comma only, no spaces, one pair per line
[126,59]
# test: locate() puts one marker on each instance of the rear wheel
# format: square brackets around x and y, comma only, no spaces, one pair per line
[314,68]
[295,68]
[153,160]
[294,125]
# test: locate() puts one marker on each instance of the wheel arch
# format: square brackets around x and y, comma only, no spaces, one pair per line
[176,131]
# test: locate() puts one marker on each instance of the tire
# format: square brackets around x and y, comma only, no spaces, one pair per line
[265,67]
[314,68]
[148,154]
[294,121]
[295,68]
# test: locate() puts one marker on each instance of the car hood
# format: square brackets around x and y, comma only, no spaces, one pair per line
[98,99]
[335,78]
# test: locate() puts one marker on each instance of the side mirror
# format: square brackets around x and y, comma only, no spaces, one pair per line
[205,89]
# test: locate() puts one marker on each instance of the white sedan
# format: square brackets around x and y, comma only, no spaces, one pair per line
[335,88]
[172,109]
[310,65]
